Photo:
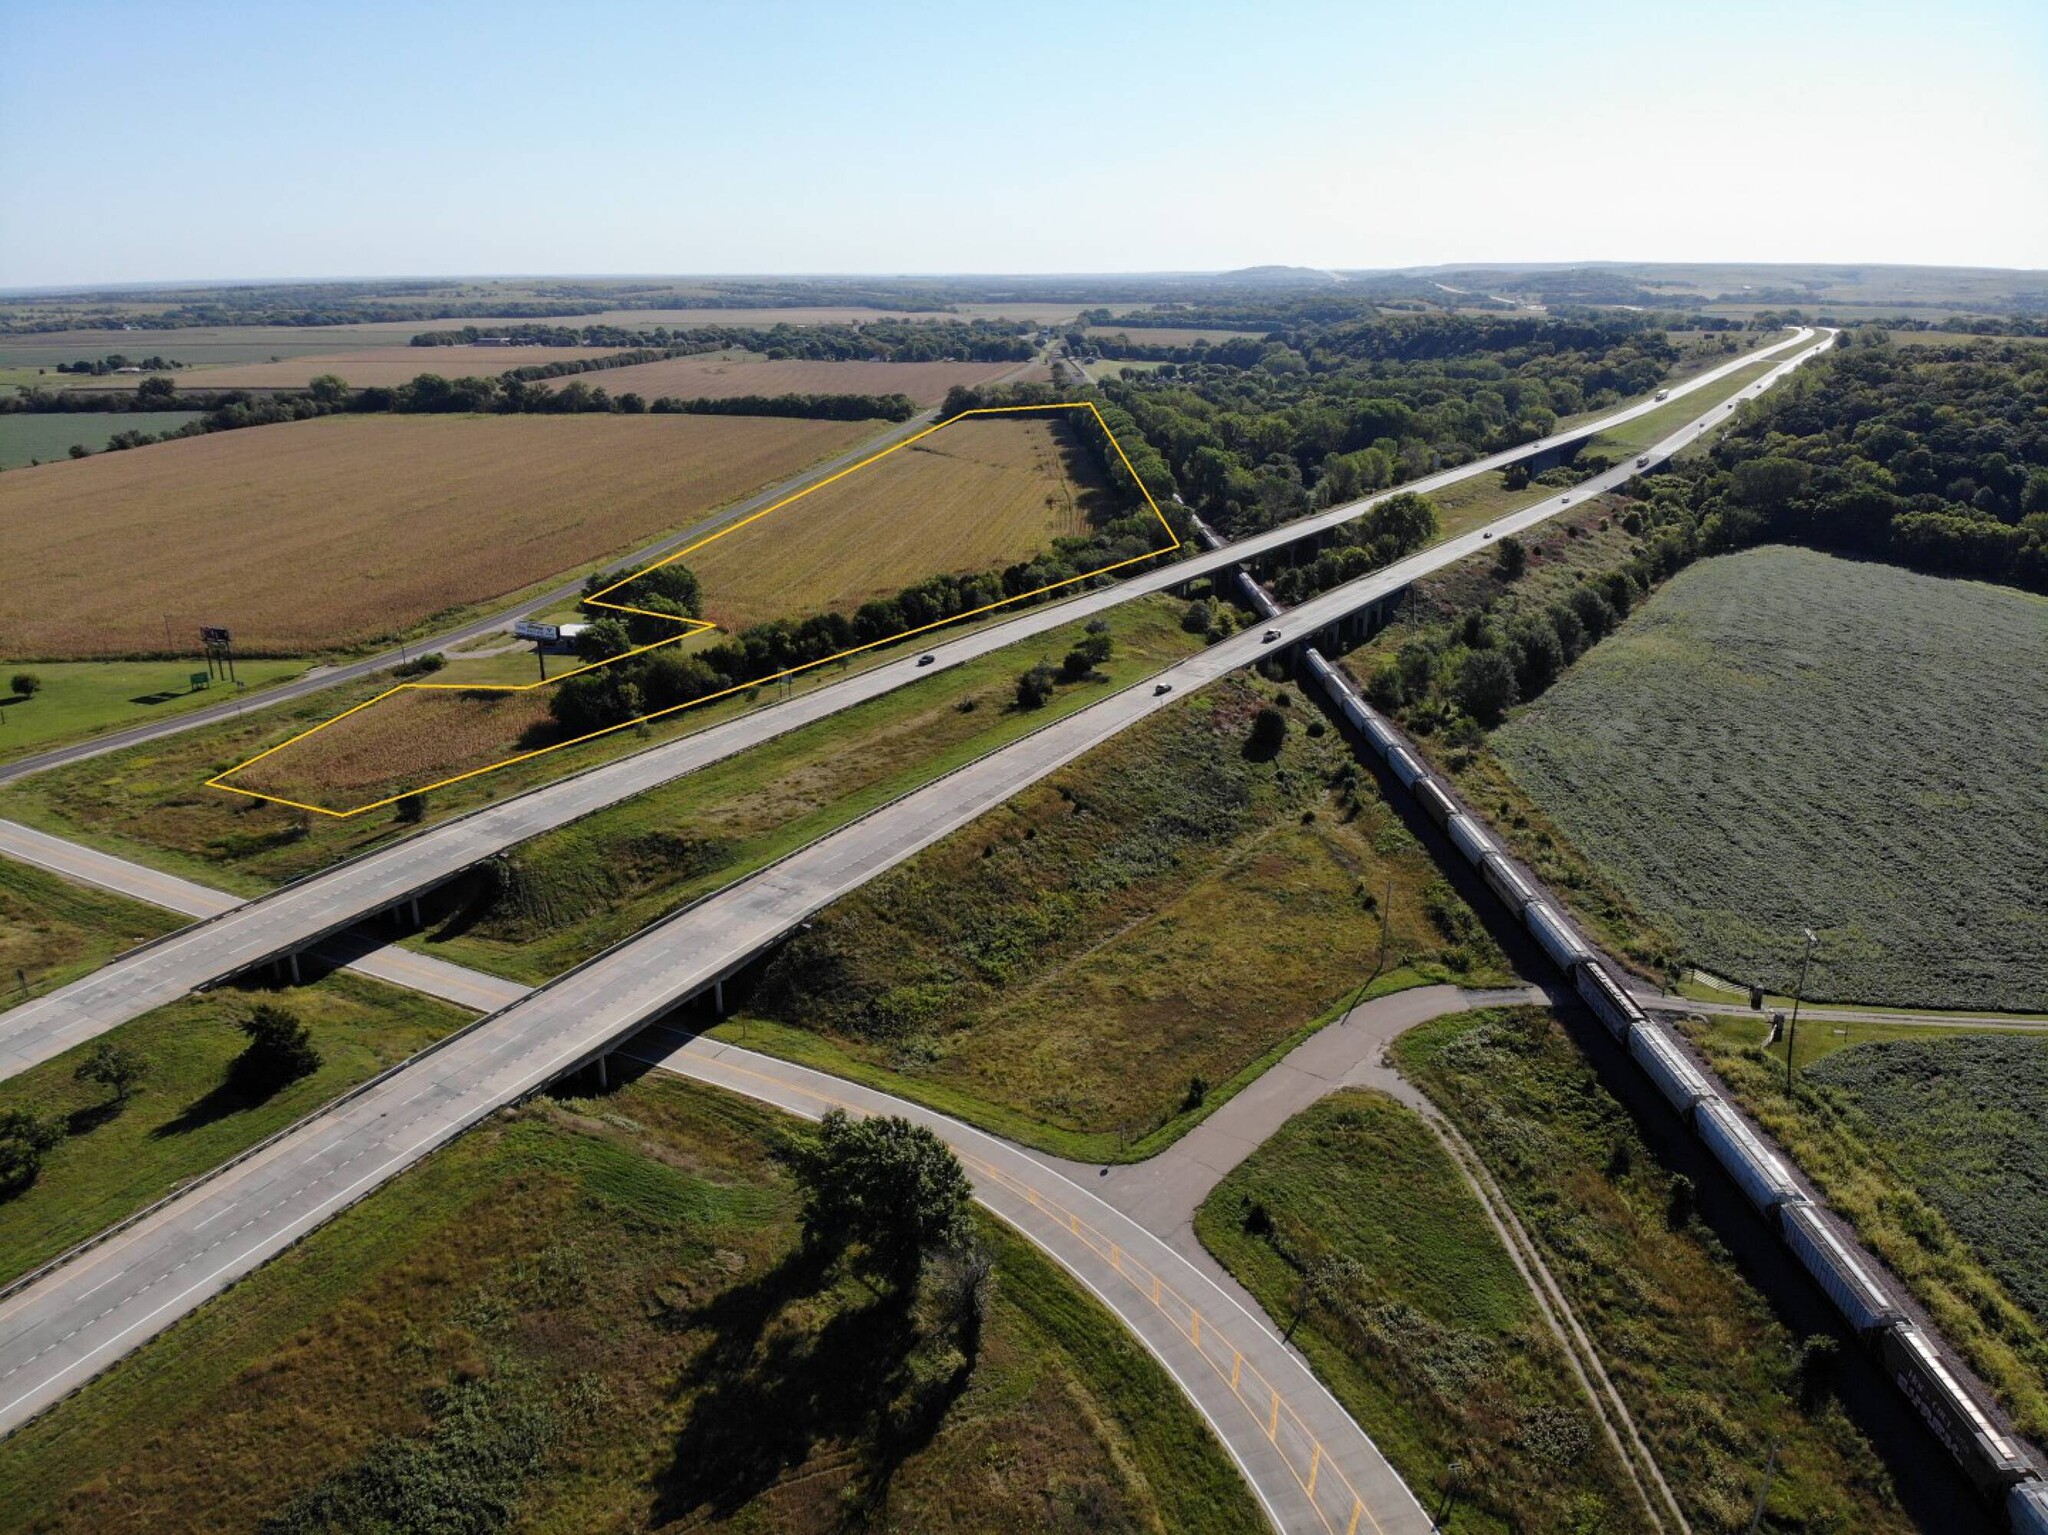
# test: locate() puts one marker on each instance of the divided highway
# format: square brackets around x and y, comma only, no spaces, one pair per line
[59,1332]
[315,908]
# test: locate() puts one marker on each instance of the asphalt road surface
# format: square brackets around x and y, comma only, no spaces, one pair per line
[321,905]
[59,1332]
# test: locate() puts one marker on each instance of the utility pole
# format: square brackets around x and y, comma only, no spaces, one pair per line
[1770,1469]
[1799,991]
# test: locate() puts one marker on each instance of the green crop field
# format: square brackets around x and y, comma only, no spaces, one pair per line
[1710,1376]
[1095,965]
[1419,1322]
[1781,739]
[591,1314]
[184,1119]
[26,439]
[1963,1115]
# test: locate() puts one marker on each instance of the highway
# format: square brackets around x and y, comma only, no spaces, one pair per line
[309,910]
[358,949]
[59,1332]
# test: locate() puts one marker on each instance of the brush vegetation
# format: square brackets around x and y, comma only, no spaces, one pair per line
[1933,1148]
[1185,901]
[599,1314]
[1709,1375]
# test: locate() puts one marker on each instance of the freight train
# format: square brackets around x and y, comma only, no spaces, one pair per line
[1993,1460]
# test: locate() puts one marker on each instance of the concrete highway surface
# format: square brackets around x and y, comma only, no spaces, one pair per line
[60,1331]
[309,910]
[357,949]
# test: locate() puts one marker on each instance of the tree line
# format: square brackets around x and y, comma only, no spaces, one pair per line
[1931,457]
[632,687]
[872,340]
[1327,413]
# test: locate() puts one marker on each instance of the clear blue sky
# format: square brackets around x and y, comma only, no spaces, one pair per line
[189,139]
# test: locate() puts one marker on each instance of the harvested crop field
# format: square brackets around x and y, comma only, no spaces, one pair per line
[971,496]
[386,365]
[347,529]
[1781,739]
[415,737]
[199,345]
[721,378]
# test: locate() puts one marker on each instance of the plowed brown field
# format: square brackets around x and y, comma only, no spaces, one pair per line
[352,528]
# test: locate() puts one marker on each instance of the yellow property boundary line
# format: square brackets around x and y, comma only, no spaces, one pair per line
[692,626]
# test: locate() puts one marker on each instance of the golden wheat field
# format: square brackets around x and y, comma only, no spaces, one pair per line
[351,528]
[385,365]
[971,496]
[721,378]
[412,738]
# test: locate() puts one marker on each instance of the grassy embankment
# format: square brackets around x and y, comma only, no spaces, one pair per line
[568,894]
[1932,1144]
[1710,1376]
[150,803]
[183,1119]
[1860,765]
[1097,964]
[591,1314]
[1416,1317]
[81,699]
[52,931]
[1563,553]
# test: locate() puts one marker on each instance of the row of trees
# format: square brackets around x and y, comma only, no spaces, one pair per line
[1324,414]
[1933,457]
[280,1050]
[875,340]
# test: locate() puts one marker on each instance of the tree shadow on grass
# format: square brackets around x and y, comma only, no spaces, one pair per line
[770,1390]
[83,1121]
[237,1092]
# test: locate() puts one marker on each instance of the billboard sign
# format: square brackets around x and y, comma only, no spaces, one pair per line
[211,635]
[526,629]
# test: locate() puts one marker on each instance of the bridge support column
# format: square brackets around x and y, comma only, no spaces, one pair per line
[718,999]
[416,911]
[292,959]
[603,1078]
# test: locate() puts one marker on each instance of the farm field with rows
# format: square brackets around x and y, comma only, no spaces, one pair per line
[975,495]
[721,377]
[1867,763]
[104,553]
[386,365]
